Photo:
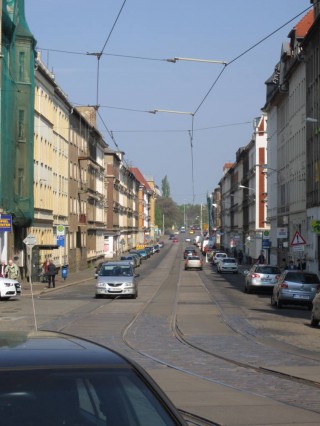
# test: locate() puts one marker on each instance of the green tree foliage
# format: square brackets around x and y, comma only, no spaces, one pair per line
[167,212]
[165,187]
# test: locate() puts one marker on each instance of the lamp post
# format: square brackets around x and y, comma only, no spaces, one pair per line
[247,187]
[208,61]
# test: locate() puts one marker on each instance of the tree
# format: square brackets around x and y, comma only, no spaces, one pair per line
[165,186]
[167,211]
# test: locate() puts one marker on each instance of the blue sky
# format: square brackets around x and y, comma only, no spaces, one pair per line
[159,144]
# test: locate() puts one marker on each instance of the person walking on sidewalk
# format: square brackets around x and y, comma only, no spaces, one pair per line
[3,269]
[12,270]
[51,275]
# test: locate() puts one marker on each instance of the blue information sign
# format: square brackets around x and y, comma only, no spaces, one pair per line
[5,222]
[60,240]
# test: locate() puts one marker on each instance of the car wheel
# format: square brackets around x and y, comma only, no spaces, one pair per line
[98,296]
[314,322]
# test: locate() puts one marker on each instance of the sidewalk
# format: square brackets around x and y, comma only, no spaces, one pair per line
[72,279]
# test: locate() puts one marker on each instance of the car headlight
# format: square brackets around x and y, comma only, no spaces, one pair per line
[8,284]
[128,284]
[102,285]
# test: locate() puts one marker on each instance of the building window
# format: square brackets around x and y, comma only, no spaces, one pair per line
[20,181]
[21,124]
[22,57]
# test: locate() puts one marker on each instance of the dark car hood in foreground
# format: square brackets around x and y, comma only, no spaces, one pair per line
[45,349]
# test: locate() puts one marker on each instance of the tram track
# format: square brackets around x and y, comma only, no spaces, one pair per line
[179,336]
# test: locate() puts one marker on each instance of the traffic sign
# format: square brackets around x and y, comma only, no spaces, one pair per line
[30,240]
[298,240]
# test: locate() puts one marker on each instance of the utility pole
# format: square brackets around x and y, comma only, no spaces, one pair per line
[201,218]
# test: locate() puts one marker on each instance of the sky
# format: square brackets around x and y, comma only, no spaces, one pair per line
[132,76]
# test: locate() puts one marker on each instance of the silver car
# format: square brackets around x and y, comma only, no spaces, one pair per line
[227,264]
[261,277]
[117,279]
[295,288]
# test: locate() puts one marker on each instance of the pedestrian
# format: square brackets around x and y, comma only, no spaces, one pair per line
[290,266]
[240,257]
[261,258]
[3,269]
[12,270]
[51,274]
[304,264]
[299,265]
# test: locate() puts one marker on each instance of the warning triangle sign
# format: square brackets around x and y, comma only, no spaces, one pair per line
[298,240]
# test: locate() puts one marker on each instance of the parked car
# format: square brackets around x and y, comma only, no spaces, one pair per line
[227,264]
[315,314]
[295,288]
[137,257]
[161,243]
[189,251]
[144,254]
[131,259]
[193,262]
[156,248]
[9,288]
[218,255]
[117,279]
[261,277]
[50,378]
[149,249]
[97,268]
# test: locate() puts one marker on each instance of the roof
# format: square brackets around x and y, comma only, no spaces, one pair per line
[304,24]
[139,176]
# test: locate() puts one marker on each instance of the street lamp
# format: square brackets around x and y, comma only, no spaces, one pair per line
[247,187]
[170,111]
[209,61]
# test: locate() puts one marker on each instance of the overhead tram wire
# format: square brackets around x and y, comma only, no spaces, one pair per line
[99,54]
[245,52]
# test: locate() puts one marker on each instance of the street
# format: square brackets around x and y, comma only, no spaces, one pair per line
[217,352]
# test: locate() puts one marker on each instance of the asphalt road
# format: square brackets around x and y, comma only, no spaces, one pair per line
[215,350]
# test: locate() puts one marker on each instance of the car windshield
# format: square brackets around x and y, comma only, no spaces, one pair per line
[268,270]
[228,260]
[116,271]
[302,278]
[193,258]
[79,397]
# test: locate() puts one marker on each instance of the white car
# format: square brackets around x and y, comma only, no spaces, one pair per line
[219,256]
[227,264]
[193,262]
[9,288]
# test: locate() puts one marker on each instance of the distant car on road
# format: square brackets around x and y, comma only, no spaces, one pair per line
[261,277]
[175,240]
[117,279]
[295,288]
[193,262]
[218,255]
[54,379]
[227,264]
[189,251]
